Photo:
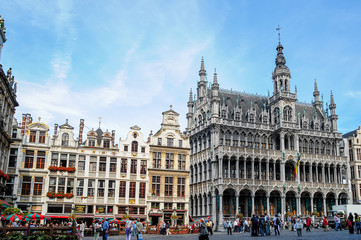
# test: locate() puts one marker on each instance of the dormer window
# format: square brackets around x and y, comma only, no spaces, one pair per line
[91,143]
[238,116]
[106,143]
[159,141]
[32,136]
[170,142]
[134,146]
[42,137]
[251,118]
[65,139]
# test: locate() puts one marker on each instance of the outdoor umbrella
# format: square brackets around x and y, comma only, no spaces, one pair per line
[114,221]
[13,217]
[123,221]
[146,222]
[198,221]
[36,216]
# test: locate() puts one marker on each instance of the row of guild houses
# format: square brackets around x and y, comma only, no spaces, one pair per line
[61,174]
[245,149]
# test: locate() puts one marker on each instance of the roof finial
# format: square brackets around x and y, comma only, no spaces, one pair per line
[171,106]
[100,121]
[278,29]
[202,71]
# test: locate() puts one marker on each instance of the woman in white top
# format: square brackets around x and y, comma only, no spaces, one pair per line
[128,230]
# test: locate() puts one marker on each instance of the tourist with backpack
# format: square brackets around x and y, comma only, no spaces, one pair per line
[276,224]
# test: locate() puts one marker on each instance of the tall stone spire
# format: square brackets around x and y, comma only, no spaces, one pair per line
[202,86]
[215,84]
[316,95]
[190,96]
[190,110]
[281,74]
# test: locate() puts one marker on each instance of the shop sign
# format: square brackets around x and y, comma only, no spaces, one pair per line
[79,209]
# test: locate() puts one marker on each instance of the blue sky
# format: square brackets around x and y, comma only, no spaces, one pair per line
[127,61]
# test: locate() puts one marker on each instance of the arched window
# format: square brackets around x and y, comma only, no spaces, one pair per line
[134,146]
[304,125]
[287,113]
[264,119]
[276,113]
[65,139]
[316,127]
[223,114]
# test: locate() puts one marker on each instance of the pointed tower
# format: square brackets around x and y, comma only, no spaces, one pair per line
[202,84]
[215,96]
[281,74]
[316,95]
[333,116]
[190,111]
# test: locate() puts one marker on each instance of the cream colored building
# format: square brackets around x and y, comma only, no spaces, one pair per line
[168,173]
[351,147]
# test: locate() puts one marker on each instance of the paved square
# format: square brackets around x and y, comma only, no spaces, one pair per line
[285,234]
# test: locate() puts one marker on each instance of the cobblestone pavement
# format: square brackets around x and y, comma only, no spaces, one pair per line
[285,234]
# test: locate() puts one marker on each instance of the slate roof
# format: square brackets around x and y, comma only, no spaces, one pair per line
[350,134]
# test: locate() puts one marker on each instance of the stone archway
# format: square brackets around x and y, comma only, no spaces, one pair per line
[306,204]
[275,203]
[330,200]
[229,203]
[318,202]
[245,202]
[260,202]
[291,205]
[342,198]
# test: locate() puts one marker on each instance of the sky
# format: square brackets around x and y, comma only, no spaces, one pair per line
[128,61]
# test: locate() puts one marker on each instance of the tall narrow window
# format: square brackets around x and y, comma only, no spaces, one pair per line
[54,159]
[156,159]
[91,187]
[168,187]
[38,186]
[102,164]
[142,190]
[111,188]
[169,161]
[93,164]
[122,189]
[25,187]
[52,184]
[32,137]
[13,157]
[81,163]
[132,190]
[133,166]
[181,187]
[113,165]
[106,143]
[61,185]
[143,167]
[70,185]
[65,139]
[123,166]
[101,184]
[134,146]
[91,143]
[42,135]
[180,143]
[40,161]
[80,187]
[181,161]
[159,141]
[29,159]
[156,185]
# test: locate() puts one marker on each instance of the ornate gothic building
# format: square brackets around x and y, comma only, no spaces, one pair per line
[245,149]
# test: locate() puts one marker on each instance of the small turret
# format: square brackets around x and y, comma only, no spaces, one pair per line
[333,116]
[190,105]
[215,96]
[202,84]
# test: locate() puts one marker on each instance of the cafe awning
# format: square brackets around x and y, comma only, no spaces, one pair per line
[59,216]
[4,204]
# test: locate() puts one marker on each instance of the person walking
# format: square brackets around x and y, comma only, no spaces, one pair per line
[203,232]
[308,224]
[81,229]
[97,230]
[325,224]
[229,227]
[105,229]
[350,224]
[128,230]
[167,228]
[139,229]
[235,225]
[267,224]
[299,226]
[209,227]
[276,223]
[357,223]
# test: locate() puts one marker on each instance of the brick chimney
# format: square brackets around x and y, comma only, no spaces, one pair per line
[113,137]
[55,130]
[23,125]
[81,128]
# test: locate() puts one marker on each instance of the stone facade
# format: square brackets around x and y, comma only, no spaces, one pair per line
[245,147]
[59,175]
[351,148]
[168,195]
[8,104]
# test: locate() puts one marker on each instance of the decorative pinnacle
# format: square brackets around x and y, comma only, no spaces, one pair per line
[332,101]
[278,29]
[202,72]
[190,96]
[215,81]
[316,89]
